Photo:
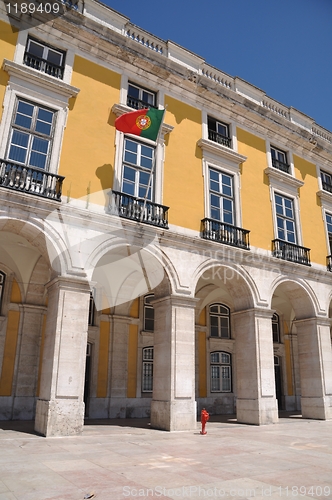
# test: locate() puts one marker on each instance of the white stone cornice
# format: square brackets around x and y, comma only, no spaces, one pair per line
[220,150]
[325,196]
[121,109]
[39,78]
[283,177]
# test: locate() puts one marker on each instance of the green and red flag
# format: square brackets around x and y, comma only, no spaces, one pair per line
[143,122]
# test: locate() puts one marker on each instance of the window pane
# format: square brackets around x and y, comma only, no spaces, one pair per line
[133,91]
[44,122]
[37,160]
[24,114]
[148,97]
[224,328]
[225,358]
[54,57]
[214,357]
[222,129]
[215,378]
[18,148]
[36,49]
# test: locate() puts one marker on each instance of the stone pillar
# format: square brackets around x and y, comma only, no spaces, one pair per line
[60,407]
[28,362]
[173,406]
[256,398]
[315,360]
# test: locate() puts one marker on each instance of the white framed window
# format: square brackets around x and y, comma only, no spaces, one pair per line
[2,287]
[326,181]
[284,209]
[219,315]
[276,328]
[44,58]
[31,135]
[279,159]
[147,369]
[148,313]
[219,132]
[137,175]
[139,97]
[221,196]
[221,371]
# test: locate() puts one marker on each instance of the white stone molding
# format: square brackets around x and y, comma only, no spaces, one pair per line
[215,149]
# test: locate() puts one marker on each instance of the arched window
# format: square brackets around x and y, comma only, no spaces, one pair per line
[2,286]
[219,321]
[275,328]
[221,371]
[147,369]
[148,313]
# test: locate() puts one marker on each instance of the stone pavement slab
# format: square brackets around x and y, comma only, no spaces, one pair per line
[119,459]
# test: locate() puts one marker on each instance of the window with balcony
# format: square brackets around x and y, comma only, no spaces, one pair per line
[25,167]
[140,98]
[219,321]
[279,160]
[326,181]
[219,132]
[148,313]
[44,58]
[147,369]
[275,328]
[329,233]
[221,372]
[220,226]
[136,199]
[285,246]
[2,286]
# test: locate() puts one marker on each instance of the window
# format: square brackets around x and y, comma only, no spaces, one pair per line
[44,58]
[31,135]
[219,321]
[148,314]
[279,159]
[221,196]
[140,98]
[147,369]
[326,181]
[275,328]
[329,229]
[285,218]
[137,176]
[92,310]
[221,372]
[218,132]
[2,286]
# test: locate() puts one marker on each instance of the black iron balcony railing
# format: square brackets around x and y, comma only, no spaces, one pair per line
[30,180]
[280,165]
[135,209]
[43,65]
[329,263]
[225,233]
[132,102]
[327,186]
[219,138]
[288,251]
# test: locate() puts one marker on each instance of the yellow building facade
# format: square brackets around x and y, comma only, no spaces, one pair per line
[154,278]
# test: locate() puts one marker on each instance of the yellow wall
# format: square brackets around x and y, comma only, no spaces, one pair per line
[8,39]
[313,227]
[183,180]
[88,151]
[255,193]
[8,364]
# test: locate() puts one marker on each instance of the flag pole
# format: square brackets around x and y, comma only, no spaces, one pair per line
[153,167]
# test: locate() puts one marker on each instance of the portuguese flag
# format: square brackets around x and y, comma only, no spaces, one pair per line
[143,122]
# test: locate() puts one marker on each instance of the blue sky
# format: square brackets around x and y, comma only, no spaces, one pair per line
[284,47]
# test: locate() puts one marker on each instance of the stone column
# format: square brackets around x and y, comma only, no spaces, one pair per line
[27,361]
[315,360]
[60,407]
[173,405]
[256,398]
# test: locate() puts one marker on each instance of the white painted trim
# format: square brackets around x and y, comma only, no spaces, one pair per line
[274,189]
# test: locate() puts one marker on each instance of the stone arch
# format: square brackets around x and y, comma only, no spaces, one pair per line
[299,294]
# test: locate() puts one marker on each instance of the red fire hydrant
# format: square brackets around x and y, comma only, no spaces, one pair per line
[204,418]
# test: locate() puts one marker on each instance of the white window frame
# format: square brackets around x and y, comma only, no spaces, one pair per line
[221,365]
[219,315]
[146,305]
[289,158]
[223,120]
[285,218]
[141,89]
[147,362]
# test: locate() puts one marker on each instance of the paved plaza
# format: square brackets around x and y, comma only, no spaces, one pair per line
[119,459]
